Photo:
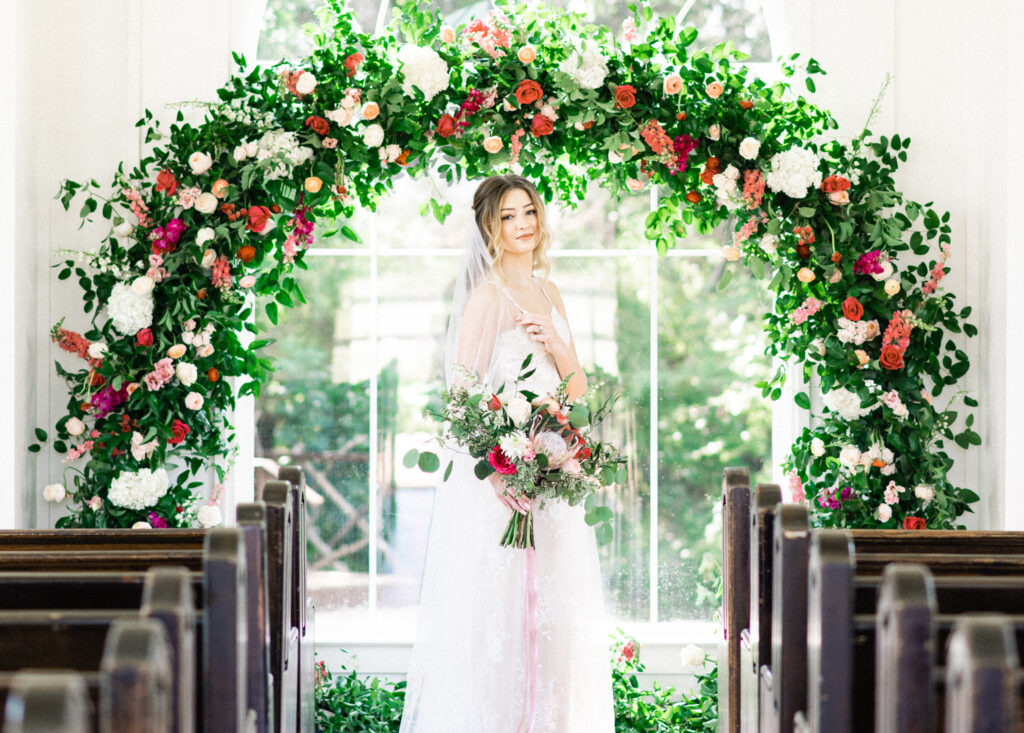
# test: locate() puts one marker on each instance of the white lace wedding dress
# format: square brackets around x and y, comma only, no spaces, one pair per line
[469,670]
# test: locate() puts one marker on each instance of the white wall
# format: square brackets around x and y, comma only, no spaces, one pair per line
[956,91]
[86,72]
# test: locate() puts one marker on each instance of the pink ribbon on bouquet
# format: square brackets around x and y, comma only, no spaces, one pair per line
[530,641]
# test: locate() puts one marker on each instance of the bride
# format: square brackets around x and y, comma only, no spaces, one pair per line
[474,668]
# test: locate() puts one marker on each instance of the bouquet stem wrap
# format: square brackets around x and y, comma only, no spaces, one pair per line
[519,532]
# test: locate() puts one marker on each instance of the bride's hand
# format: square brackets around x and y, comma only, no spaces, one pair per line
[520,504]
[541,328]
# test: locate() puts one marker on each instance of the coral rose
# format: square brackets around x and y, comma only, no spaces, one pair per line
[212,374]
[625,96]
[493,144]
[835,183]
[258,217]
[448,34]
[144,337]
[166,182]
[219,187]
[913,523]
[313,184]
[177,351]
[541,126]
[371,110]
[694,197]
[714,90]
[178,432]
[746,104]
[673,84]
[247,253]
[852,309]
[528,91]
[891,358]
[352,63]
[526,55]
[494,403]
[446,126]
[806,275]
[319,125]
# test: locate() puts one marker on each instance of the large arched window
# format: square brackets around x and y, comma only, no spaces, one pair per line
[356,365]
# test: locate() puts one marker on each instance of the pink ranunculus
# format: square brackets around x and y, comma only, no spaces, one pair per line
[500,462]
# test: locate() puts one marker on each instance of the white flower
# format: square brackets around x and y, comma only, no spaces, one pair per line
[692,655]
[886,272]
[206,203]
[818,346]
[143,285]
[393,151]
[205,350]
[892,287]
[518,410]
[138,490]
[925,492]
[306,83]
[278,152]
[239,153]
[129,311]
[587,69]
[793,172]
[54,492]
[750,147]
[849,456]
[373,135]
[515,445]
[204,235]
[199,163]
[818,447]
[884,512]
[724,183]
[75,427]
[251,148]
[209,515]
[846,403]
[124,229]
[193,400]
[97,350]
[186,373]
[424,69]
[141,451]
[714,132]
[142,525]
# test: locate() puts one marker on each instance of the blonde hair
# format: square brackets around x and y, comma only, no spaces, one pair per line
[487,211]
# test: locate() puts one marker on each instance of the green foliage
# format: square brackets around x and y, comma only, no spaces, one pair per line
[353,704]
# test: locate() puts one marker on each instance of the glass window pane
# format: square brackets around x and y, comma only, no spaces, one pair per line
[710,415]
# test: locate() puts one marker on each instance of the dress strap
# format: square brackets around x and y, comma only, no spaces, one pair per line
[509,296]
[545,293]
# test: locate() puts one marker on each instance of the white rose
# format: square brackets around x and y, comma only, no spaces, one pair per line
[206,203]
[887,270]
[209,515]
[193,400]
[769,243]
[373,135]
[518,410]
[849,456]
[199,163]
[306,83]
[209,257]
[818,447]
[124,229]
[186,373]
[714,132]
[142,525]
[75,427]
[142,285]
[749,148]
[97,350]
[239,153]
[925,492]
[205,351]
[54,492]
[884,512]
[692,655]
[204,235]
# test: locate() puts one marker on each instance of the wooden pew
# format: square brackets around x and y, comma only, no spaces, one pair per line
[982,676]
[46,702]
[735,592]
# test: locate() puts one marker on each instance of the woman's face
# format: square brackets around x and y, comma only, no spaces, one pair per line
[519,222]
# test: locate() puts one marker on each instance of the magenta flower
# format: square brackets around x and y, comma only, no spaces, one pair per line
[869,263]
[107,399]
[156,521]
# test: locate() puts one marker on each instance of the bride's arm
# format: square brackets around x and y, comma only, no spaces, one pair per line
[565,357]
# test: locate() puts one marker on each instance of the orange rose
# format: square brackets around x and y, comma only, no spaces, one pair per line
[714,90]
[746,103]
[526,55]
[403,159]
[446,126]
[625,96]
[220,186]
[852,309]
[313,184]
[832,184]
[837,257]
[693,197]
[673,84]
[212,374]
[541,126]
[319,124]
[247,253]
[528,91]
[371,110]
[891,358]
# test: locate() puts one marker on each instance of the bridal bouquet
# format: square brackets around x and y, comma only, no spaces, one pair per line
[543,447]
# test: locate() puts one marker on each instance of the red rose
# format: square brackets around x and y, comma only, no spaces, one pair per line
[258,217]
[178,432]
[144,337]
[541,126]
[625,96]
[446,126]
[891,358]
[852,309]
[628,651]
[166,182]
[319,124]
[500,462]
[528,91]
[746,103]
[584,454]
[913,523]
[833,184]
[494,403]
[352,63]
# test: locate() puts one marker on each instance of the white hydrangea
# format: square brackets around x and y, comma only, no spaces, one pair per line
[793,172]
[588,69]
[424,69]
[846,403]
[279,152]
[129,311]
[138,490]
[515,445]
[925,492]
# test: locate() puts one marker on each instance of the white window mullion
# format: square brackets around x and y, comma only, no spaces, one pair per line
[373,501]
[653,467]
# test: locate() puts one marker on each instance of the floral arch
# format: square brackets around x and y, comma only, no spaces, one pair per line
[215,219]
